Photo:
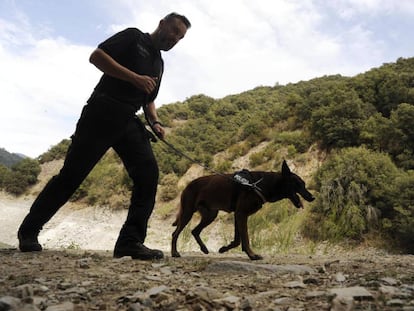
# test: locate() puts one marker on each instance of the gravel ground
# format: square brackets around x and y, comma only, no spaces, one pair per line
[93,280]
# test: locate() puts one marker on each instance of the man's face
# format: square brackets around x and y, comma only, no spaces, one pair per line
[171,31]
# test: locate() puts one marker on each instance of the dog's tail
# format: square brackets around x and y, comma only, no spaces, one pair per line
[178,216]
[186,207]
[186,195]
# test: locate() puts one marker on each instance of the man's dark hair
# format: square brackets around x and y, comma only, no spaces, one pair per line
[180,17]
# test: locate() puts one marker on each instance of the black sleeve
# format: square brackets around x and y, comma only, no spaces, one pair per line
[116,45]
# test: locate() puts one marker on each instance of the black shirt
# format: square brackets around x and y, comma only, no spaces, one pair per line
[134,50]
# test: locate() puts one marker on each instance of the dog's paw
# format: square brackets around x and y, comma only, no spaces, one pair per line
[223,249]
[175,254]
[255,257]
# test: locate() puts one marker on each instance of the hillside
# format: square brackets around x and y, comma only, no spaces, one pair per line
[9,159]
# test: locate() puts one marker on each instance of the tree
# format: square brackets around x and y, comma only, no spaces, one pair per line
[5,174]
[402,228]
[28,168]
[338,124]
[380,134]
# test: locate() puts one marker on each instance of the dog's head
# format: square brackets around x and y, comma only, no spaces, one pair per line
[295,185]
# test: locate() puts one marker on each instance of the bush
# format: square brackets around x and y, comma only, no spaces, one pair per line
[299,139]
[56,152]
[21,175]
[105,184]
[28,168]
[5,173]
[168,189]
[402,228]
[356,189]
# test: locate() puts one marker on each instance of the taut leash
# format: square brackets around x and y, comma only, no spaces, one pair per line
[236,178]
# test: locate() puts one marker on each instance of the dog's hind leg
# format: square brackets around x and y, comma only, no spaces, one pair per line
[235,242]
[207,217]
[181,222]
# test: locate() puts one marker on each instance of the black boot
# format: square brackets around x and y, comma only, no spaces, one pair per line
[28,241]
[136,250]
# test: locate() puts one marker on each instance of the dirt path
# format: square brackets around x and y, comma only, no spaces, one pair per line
[87,227]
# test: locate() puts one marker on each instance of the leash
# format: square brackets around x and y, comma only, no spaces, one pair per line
[236,178]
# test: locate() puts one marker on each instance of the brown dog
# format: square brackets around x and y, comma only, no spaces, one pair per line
[209,194]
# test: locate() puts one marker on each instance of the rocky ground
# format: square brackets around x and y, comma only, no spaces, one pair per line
[93,280]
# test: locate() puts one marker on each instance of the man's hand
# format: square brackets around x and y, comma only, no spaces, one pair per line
[159,130]
[112,68]
[145,83]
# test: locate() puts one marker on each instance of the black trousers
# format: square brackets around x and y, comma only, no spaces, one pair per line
[104,123]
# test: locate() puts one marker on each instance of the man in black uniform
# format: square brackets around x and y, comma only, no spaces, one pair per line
[132,70]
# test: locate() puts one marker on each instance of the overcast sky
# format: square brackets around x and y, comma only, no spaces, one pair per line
[233,46]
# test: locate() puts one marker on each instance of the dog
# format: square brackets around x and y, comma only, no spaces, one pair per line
[235,193]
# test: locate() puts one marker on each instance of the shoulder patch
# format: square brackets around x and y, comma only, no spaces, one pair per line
[142,50]
[243,177]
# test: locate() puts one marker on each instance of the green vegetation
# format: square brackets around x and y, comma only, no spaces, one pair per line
[20,176]
[9,159]
[55,152]
[354,192]
[107,184]
[363,125]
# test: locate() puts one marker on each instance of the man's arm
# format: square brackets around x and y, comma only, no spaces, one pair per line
[151,113]
[109,66]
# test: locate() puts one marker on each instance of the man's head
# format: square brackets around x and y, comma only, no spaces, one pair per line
[171,29]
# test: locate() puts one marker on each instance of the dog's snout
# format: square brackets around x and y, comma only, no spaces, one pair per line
[309,197]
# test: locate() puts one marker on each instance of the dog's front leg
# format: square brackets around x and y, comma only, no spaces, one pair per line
[244,235]
[235,242]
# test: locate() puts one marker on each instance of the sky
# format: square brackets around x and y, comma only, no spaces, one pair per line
[232,46]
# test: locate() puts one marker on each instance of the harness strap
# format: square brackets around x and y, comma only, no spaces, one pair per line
[260,194]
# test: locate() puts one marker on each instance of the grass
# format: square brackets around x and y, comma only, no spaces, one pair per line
[273,230]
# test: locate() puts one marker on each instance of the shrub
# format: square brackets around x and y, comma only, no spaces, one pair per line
[21,175]
[299,139]
[28,168]
[168,189]
[223,166]
[355,192]
[56,152]
[402,228]
[106,180]
[5,173]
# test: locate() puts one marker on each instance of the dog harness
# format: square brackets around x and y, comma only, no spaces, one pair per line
[243,178]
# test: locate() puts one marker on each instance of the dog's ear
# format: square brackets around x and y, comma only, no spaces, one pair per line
[285,169]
